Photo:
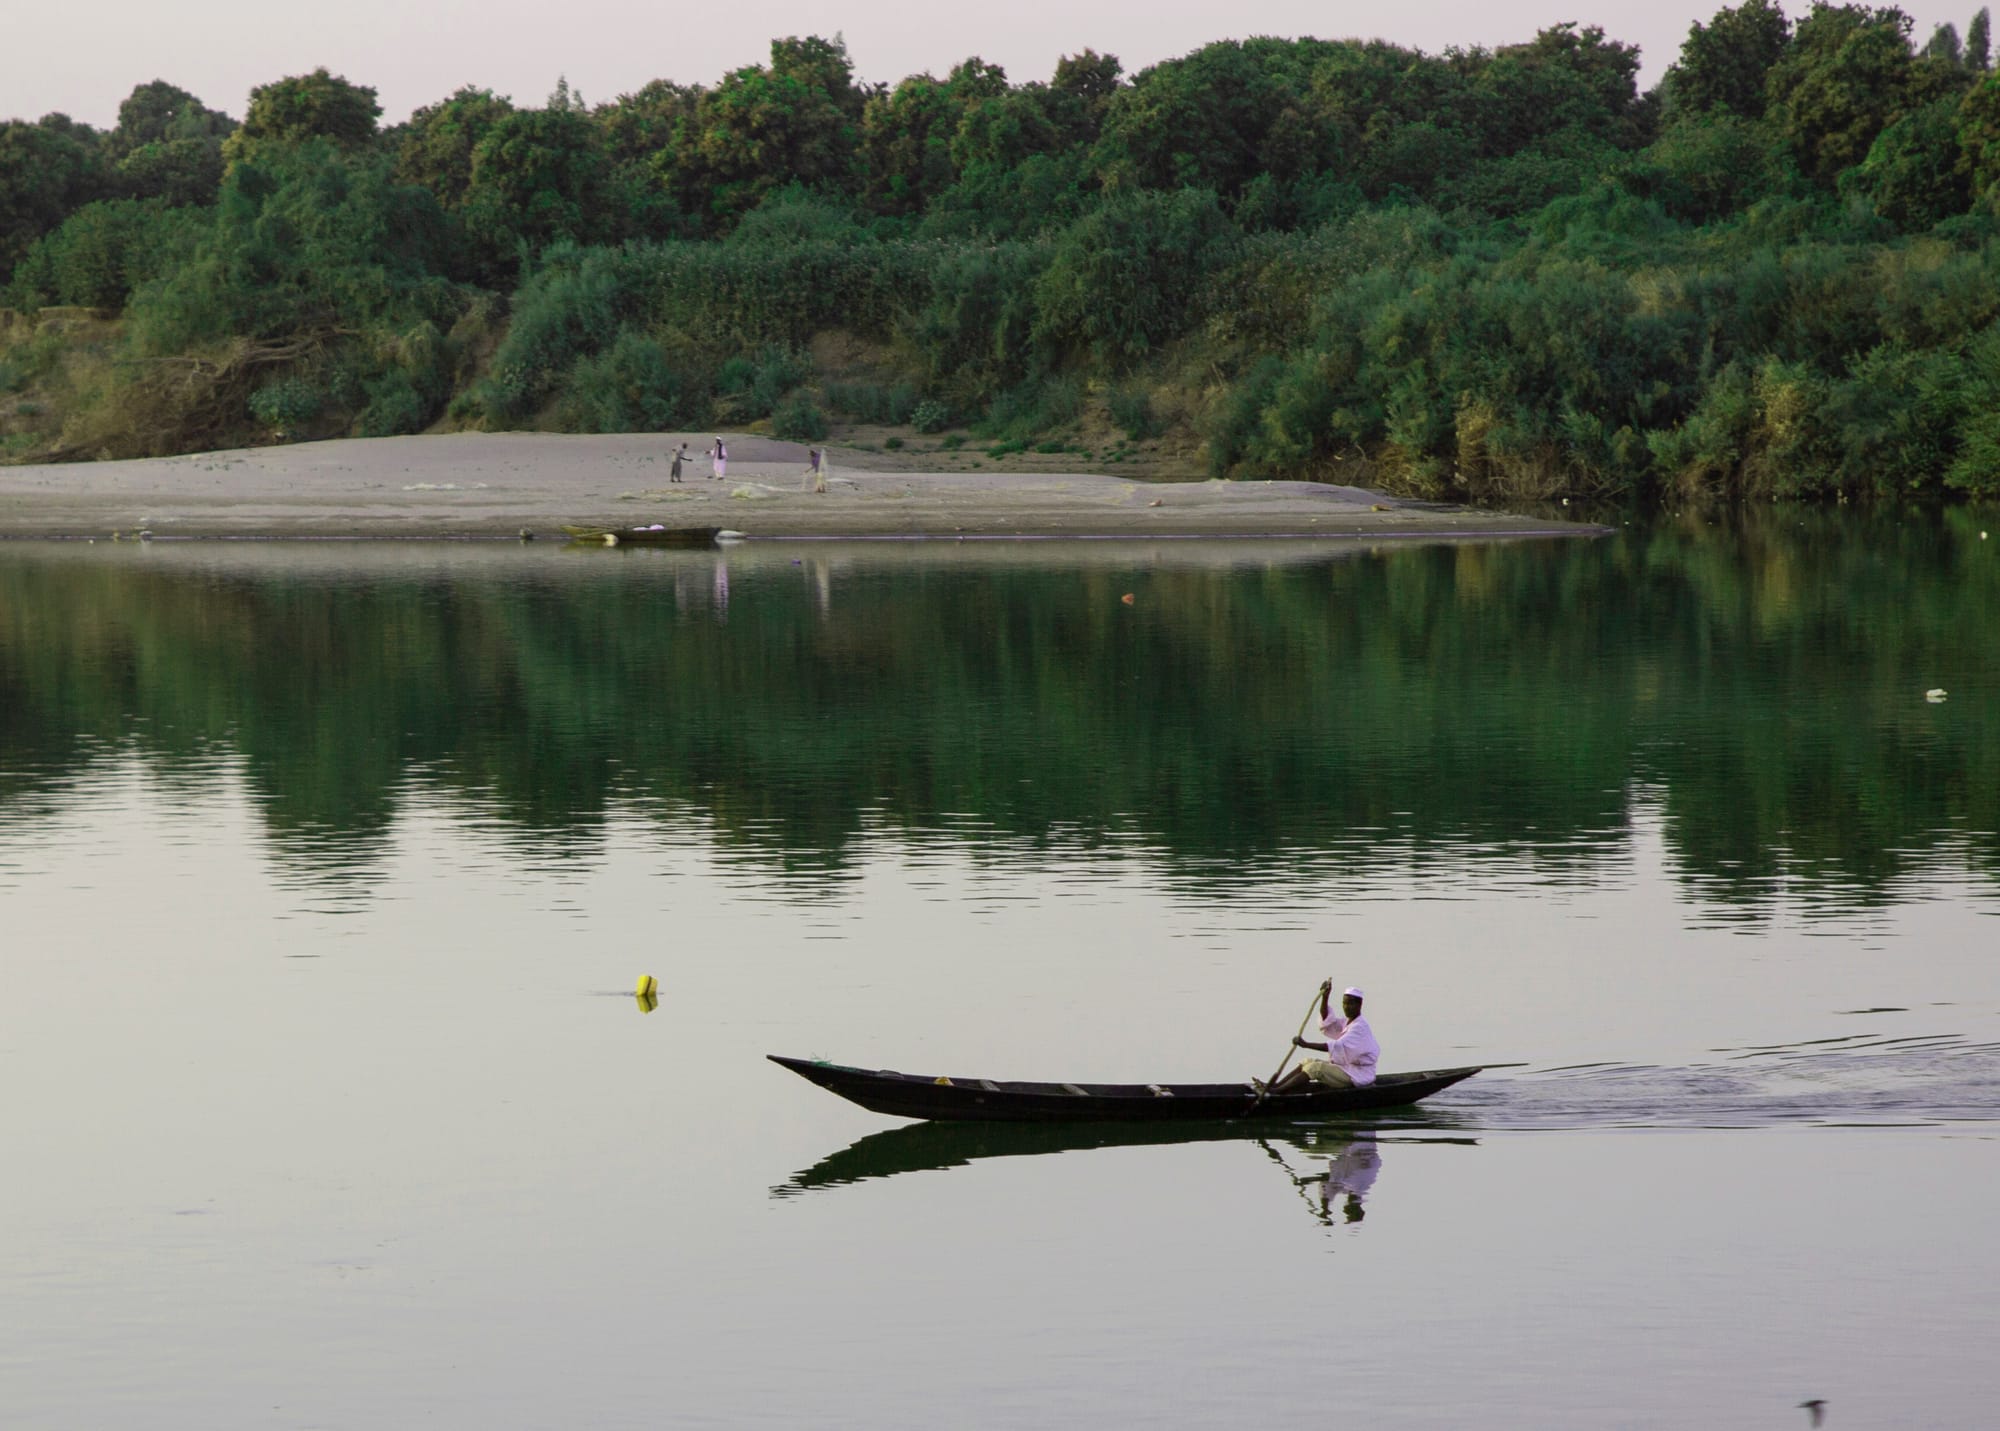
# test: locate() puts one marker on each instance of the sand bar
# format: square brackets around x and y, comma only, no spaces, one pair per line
[495,485]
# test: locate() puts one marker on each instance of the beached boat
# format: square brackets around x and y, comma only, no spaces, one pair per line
[645,536]
[911,1095]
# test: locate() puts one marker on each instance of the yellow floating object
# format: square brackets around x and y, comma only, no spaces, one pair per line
[942,1082]
[648,986]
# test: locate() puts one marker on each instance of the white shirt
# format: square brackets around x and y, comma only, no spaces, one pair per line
[1351,1046]
[1354,1168]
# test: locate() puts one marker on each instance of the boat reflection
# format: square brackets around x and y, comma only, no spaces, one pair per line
[1352,1150]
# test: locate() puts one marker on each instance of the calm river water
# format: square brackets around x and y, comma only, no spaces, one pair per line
[326,874]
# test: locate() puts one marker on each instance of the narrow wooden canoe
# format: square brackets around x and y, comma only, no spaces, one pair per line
[645,536]
[911,1095]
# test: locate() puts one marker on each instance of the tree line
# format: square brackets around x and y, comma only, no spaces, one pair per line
[1495,273]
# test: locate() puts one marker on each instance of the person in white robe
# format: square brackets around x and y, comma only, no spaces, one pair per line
[1349,1045]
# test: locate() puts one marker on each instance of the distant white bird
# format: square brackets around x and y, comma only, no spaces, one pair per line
[1935,695]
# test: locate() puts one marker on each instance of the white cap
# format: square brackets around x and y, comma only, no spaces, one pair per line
[1352,994]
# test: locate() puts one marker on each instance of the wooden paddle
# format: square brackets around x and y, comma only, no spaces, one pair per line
[1291,1048]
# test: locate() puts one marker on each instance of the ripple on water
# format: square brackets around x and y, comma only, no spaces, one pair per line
[1932,1078]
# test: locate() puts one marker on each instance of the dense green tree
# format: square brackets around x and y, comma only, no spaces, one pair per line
[1979,41]
[1724,64]
[1121,280]
[47,171]
[906,143]
[1848,73]
[1915,175]
[160,113]
[909,134]
[1081,90]
[302,107]
[103,251]
[1701,170]
[639,125]
[1564,79]
[307,239]
[1977,130]
[763,127]
[436,148]
[179,171]
[168,145]
[1201,121]
[1944,45]
[538,176]
[1000,132]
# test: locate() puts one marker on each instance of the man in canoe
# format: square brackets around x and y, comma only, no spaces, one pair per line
[1350,1047]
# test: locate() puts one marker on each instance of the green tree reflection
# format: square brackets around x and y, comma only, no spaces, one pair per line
[1761,685]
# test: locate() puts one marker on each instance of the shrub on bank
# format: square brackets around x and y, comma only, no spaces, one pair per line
[798,419]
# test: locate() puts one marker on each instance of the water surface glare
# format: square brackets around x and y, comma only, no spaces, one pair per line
[326,876]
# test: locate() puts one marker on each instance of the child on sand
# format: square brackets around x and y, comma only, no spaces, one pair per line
[720,454]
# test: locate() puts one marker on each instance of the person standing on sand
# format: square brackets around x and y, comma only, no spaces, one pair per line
[679,458]
[720,456]
[815,470]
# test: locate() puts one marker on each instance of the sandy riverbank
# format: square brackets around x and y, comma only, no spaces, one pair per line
[492,485]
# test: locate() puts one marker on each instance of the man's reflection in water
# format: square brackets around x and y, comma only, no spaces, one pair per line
[1350,1173]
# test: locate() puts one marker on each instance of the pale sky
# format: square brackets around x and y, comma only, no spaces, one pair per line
[84,58]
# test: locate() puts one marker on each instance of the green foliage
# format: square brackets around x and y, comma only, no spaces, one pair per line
[1944,45]
[304,239]
[1498,273]
[1724,64]
[1034,407]
[1118,283]
[796,120]
[760,383]
[1915,174]
[796,214]
[436,147]
[1978,54]
[1847,75]
[287,404]
[101,253]
[161,113]
[1977,130]
[1132,409]
[394,407]
[892,403]
[303,108]
[1701,171]
[798,419]
[633,386]
[168,145]
[179,171]
[47,171]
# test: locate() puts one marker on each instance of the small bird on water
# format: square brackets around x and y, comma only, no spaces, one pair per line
[1816,1409]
